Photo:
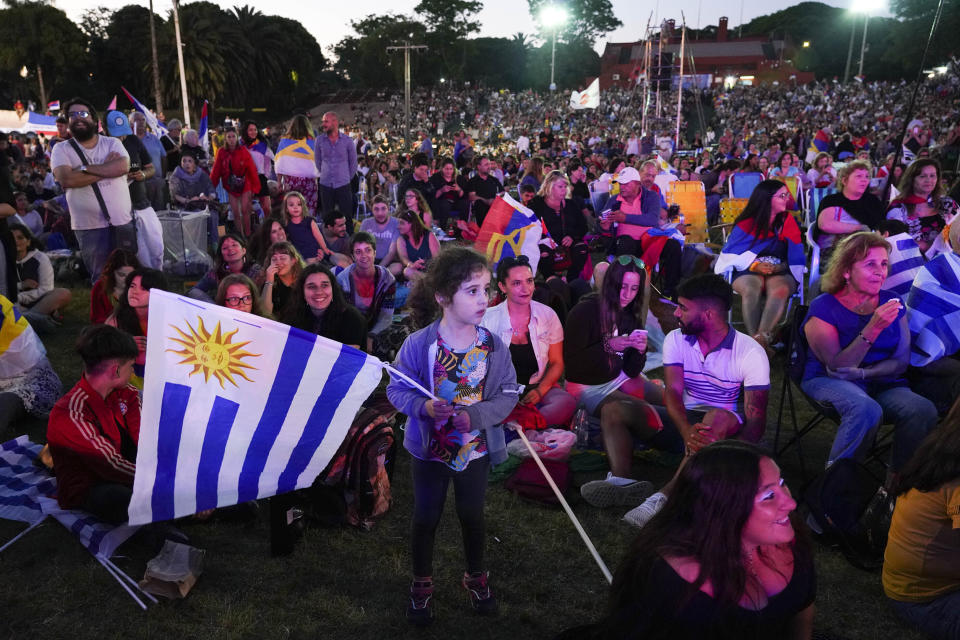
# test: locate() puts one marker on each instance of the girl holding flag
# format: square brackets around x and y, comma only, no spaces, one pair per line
[764,255]
[456,435]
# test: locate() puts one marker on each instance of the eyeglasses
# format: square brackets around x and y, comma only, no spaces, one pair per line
[627,259]
[73,115]
[783,196]
[234,301]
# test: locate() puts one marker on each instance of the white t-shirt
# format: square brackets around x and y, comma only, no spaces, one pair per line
[85,212]
[714,380]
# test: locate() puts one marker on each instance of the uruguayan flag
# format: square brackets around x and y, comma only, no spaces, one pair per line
[933,310]
[21,482]
[236,407]
[99,538]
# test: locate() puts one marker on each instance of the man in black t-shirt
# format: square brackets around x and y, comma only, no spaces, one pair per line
[483,188]
[149,231]
[419,179]
[546,140]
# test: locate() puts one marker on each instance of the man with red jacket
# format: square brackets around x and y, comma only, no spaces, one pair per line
[93,430]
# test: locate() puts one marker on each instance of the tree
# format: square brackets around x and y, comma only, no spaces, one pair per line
[906,46]
[587,20]
[449,22]
[364,61]
[42,38]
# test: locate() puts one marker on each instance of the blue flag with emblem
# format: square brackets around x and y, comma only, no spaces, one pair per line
[237,407]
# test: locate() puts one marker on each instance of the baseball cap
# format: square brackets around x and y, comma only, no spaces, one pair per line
[117,124]
[628,174]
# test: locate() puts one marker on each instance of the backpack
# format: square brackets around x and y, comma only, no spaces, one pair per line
[528,481]
[355,486]
[852,507]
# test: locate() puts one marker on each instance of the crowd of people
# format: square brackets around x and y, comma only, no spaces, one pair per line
[343,233]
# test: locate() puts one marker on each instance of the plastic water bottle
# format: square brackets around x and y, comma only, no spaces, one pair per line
[581,426]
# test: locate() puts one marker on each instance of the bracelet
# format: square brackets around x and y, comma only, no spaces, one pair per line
[865,338]
[268,284]
[609,349]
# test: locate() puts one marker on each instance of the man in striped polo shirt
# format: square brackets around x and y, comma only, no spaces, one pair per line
[706,364]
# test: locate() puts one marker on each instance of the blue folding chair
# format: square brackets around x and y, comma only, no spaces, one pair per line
[743,184]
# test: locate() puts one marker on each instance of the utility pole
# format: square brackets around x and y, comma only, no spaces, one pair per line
[183,75]
[406,47]
[863,43]
[157,97]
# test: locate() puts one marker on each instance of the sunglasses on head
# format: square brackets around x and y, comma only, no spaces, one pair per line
[516,261]
[627,259]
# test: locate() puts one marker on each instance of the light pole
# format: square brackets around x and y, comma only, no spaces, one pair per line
[183,75]
[553,15]
[865,7]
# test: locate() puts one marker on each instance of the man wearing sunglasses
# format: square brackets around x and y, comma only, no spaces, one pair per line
[92,170]
[638,213]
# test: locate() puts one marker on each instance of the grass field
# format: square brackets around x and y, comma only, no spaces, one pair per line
[345,583]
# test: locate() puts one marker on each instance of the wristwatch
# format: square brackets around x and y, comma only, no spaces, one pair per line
[83,168]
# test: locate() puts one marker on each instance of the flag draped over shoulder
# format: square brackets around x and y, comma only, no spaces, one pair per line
[19,345]
[743,247]
[296,158]
[905,261]
[589,98]
[933,310]
[237,407]
[509,230]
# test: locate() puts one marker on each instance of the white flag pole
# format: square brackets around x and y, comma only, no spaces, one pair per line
[566,507]
[543,469]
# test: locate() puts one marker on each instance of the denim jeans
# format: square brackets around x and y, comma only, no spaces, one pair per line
[913,417]
[430,482]
[939,618]
[95,247]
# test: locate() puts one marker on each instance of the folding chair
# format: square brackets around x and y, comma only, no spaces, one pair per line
[796,192]
[743,184]
[816,195]
[730,208]
[690,196]
[813,271]
[797,349]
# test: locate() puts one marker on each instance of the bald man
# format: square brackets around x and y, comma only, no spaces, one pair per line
[337,162]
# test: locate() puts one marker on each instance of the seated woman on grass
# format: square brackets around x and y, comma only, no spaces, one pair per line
[282,266]
[231,258]
[318,306]
[238,292]
[535,338]
[109,288]
[37,293]
[133,312]
[723,559]
[416,246]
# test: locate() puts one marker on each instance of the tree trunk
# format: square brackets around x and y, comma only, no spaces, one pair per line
[43,91]
[157,96]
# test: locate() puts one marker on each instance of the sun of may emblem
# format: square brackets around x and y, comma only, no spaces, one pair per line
[214,354]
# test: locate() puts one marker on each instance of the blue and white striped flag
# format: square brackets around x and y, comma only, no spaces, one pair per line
[99,538]
[933,310]
[22,483]
[236,407]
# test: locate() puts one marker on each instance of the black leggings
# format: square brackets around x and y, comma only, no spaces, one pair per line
[430,481]
[109,501]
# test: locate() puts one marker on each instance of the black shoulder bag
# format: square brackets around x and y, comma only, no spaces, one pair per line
[124,236]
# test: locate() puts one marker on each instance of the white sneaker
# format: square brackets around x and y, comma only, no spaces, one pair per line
[604,493]
[640,516]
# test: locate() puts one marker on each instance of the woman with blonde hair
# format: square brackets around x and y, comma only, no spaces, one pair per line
[859,347]
[850,210]
[564,252]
